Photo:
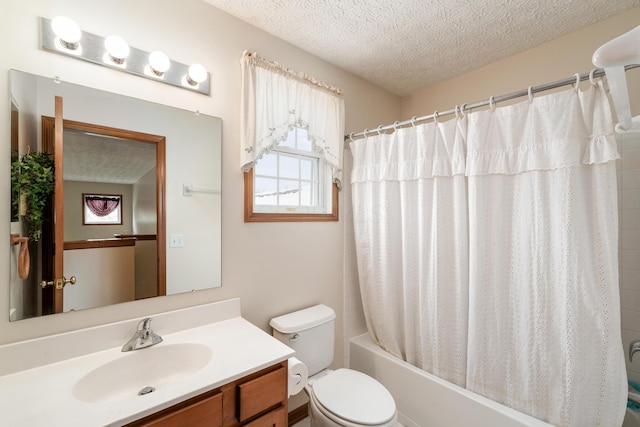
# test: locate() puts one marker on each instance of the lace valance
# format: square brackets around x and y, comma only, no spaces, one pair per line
[275,100]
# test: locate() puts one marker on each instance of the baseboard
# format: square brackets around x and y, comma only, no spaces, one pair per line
[298,414]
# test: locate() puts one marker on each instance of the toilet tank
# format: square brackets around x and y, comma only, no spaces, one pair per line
[310,332]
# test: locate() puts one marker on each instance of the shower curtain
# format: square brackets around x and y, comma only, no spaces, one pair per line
[512,289]
[410,219]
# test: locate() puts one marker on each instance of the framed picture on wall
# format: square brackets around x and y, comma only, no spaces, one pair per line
[101,209]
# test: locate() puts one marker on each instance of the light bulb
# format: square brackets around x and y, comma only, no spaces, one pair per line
[67,31]
[197,74]
[117,49]
[159,62]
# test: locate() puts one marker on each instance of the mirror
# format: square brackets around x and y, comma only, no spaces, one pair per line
[111,148]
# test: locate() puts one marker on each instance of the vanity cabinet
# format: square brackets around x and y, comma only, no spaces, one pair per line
[257,400]
[199,411]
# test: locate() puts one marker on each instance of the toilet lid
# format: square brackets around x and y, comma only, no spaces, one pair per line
[355,397]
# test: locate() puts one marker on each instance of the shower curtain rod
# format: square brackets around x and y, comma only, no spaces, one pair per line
[597,72]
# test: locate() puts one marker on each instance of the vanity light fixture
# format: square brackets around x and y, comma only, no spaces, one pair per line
[197,74]
[67,32]
[63,36]
[117,49]
[159,63]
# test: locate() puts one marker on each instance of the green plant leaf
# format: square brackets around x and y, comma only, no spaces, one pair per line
[33,175]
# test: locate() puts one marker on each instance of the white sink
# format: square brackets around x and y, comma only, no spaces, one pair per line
[155,367]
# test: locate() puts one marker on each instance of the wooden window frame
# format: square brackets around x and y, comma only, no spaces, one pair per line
[251,216]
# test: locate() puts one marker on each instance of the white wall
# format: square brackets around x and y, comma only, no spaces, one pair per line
[273,268]
[629,244]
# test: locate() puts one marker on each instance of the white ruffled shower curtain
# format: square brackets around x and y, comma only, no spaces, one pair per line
[410,219]
[487,254]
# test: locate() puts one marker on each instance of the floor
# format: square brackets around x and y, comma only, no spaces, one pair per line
[303,423]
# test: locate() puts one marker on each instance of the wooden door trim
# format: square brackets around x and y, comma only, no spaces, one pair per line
[58,199]
[161,228]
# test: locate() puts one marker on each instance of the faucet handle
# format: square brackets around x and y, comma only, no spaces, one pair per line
[634,347]
[144,324]
[143,337]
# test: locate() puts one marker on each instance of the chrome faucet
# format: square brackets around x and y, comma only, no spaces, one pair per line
[143,337]
[634,347]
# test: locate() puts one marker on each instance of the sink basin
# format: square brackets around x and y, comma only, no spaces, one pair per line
[154,367]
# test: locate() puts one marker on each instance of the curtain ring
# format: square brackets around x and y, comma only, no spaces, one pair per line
[413,121]
[591,79]
[492,103]
[364,132]
[351,136]
[462,108]
[395,125]
[380,129]
[530,92]
[456,110]
[577,80]
[435,117]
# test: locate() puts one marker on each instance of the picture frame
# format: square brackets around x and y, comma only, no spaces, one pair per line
[101,209]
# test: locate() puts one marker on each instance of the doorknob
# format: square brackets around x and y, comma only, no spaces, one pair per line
[59,283]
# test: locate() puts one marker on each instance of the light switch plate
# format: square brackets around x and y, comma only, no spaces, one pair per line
[176,240]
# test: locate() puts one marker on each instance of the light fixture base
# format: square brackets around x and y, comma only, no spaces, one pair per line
[93,50]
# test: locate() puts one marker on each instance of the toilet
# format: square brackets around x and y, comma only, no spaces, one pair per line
[343,397]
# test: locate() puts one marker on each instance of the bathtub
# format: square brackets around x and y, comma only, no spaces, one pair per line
[424,400]
[631,419]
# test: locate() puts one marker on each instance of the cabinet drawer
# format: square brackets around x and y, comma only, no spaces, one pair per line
[205,413]
[262,393]
[277,418]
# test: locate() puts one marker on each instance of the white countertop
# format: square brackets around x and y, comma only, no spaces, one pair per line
[43,395]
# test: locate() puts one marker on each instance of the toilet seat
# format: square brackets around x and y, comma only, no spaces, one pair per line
[350,397]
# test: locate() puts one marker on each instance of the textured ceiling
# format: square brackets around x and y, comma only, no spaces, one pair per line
[94,158]
[406,45]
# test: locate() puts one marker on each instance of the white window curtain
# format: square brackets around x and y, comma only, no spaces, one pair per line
[512,289]
[410,220]
[275,100]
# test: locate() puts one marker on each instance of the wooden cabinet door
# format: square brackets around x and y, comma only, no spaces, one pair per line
[262,393]
[277,418]
[205,413]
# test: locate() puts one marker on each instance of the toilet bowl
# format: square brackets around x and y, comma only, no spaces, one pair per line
[350,398]
[340,398]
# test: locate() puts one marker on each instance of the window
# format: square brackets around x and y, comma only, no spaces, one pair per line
[291,132]
[101,209]
[291,183]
